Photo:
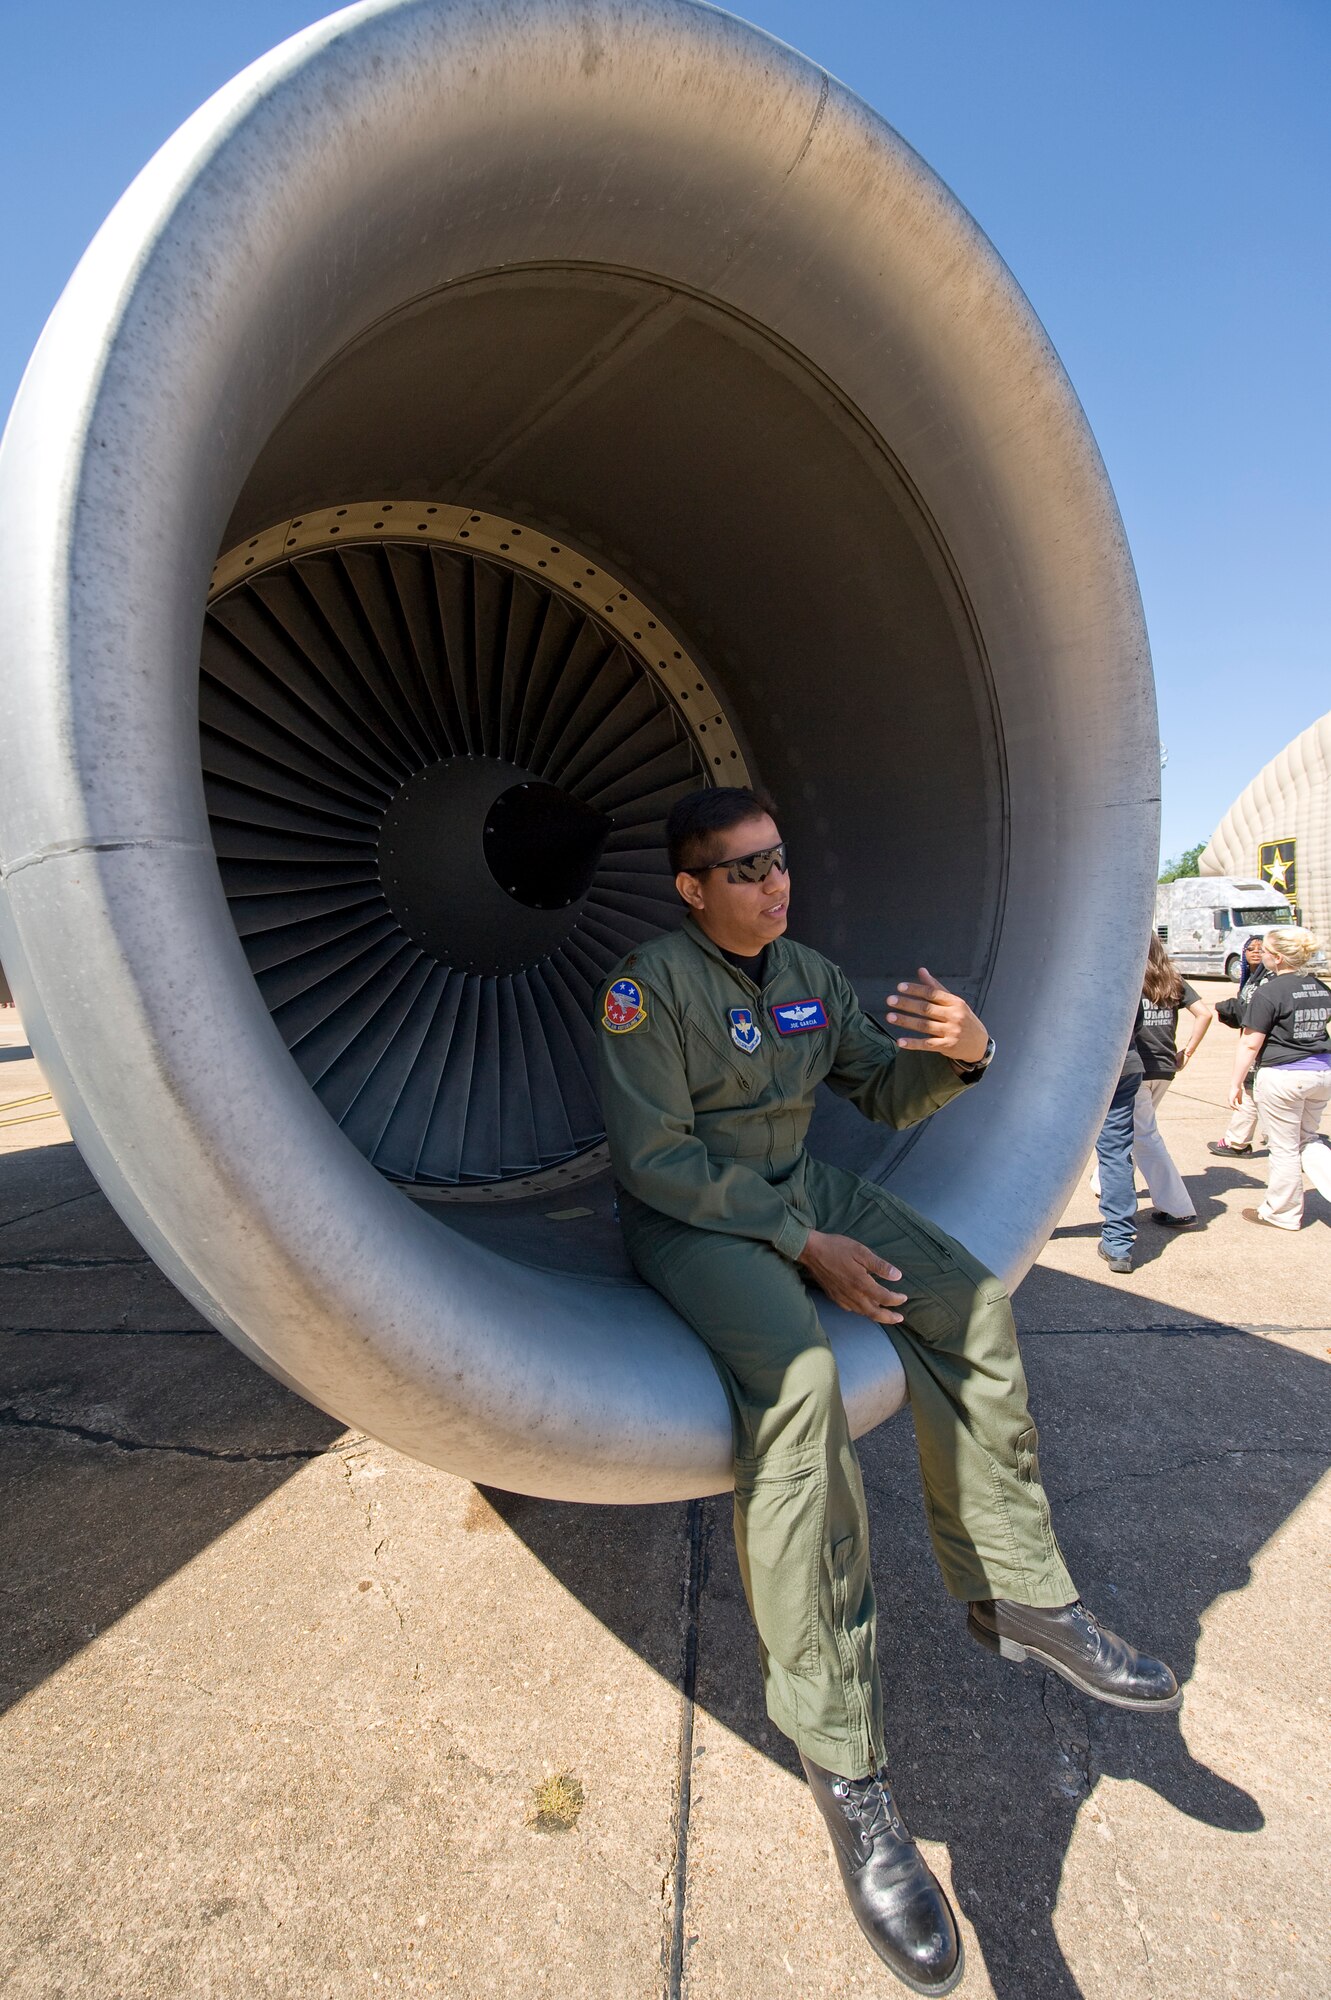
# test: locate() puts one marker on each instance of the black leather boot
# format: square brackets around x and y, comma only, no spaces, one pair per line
[1072,1641]
[896,1898]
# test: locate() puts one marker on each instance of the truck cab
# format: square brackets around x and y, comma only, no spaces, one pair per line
[1204,921]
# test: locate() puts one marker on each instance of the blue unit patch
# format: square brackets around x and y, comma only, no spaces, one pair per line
[624,1009]
[744,1030]
[799,1017]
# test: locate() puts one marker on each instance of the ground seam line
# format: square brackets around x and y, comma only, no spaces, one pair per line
[684,1771]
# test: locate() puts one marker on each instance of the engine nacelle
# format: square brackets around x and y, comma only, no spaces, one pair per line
[477,425]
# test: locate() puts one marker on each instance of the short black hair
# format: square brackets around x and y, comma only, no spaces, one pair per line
[695,821]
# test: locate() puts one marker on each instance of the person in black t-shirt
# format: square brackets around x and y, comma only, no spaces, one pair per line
[1243,1125]
[1286,1036]
[1164,996]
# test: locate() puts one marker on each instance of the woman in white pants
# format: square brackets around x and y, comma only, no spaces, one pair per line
[1164,996]
[1287,1037]
[1243,1124]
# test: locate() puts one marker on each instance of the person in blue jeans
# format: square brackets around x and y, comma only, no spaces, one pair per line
[1118,1182]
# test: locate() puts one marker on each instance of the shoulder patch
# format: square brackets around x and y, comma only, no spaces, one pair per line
[624,1007]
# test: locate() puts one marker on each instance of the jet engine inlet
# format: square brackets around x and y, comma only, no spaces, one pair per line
[477,425]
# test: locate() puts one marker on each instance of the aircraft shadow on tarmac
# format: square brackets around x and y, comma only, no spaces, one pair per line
[131,1435]
[1171,1457]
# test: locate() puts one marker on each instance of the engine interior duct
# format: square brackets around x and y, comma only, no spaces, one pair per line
[437,779]
[477,426]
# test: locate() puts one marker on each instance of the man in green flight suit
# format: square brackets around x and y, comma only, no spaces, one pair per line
[712,1040]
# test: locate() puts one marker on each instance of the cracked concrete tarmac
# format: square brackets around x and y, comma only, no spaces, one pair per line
[277,1701]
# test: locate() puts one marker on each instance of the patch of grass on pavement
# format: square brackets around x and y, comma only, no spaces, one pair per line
[556,1803]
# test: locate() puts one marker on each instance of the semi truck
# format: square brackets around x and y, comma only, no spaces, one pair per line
[1204,921]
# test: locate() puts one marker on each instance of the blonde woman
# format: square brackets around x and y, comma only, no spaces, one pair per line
[1286,1036]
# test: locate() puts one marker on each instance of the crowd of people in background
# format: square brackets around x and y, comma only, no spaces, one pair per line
[1279,1089]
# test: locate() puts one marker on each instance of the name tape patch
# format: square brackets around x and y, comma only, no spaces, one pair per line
[624,1008]
[799,1017]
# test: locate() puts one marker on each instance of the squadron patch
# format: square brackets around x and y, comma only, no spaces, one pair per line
[744,1030]
[624,1008]
[799,1017]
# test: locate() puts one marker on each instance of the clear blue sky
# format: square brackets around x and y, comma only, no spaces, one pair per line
[1156,172]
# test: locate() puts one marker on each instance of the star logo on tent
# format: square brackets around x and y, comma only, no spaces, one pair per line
[1276,865]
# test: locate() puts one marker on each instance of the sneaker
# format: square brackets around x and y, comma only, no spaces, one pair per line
[1119,1262]
[1172,1221]
[1219,1146]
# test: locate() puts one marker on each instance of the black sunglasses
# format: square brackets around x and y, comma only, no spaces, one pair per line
[748,867]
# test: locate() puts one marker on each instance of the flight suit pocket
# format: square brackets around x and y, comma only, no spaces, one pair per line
[718,1076]
[934,1284]
[780,1516]
[1028,1457]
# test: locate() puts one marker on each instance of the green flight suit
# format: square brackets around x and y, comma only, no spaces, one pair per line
[717,1198]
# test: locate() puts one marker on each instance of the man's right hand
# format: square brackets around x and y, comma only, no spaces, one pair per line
[849,1273]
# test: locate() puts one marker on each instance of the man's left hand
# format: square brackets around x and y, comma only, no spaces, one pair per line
[936,1020]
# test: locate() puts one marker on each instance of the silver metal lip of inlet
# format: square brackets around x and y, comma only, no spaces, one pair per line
[378,157]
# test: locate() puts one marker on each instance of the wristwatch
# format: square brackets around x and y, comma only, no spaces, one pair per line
[969,1071]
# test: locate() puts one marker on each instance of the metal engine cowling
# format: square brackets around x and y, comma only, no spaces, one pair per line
[479,423]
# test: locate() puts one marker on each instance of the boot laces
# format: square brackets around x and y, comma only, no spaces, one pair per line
[869,1806]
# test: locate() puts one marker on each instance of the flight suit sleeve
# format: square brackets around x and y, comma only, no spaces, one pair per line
[890,1085]
[655,1152]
